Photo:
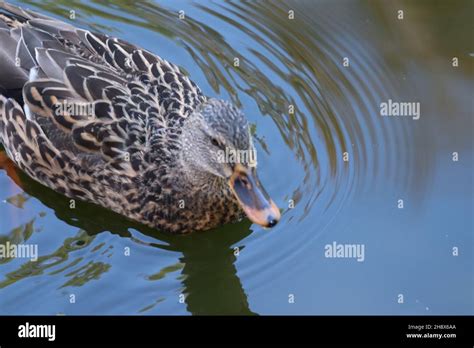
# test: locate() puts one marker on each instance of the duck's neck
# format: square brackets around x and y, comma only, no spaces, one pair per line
[182,202]
[191,179]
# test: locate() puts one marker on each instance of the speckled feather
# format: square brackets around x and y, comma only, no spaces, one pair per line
[122,157]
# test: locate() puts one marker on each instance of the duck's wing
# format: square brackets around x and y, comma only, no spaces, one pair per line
[132,98]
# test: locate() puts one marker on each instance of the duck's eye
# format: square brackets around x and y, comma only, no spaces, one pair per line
[215,142]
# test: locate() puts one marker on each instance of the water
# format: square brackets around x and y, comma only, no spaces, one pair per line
[283,63]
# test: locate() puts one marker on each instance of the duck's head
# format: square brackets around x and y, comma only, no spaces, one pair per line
[217,143]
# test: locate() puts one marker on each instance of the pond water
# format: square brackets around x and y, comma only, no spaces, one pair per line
[401,187]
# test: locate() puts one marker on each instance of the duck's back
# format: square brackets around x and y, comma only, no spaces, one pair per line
[76,105]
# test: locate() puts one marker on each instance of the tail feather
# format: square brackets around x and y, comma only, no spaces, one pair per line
[16,12]
[30,149]
[17,44]
[12,75]
[25,142]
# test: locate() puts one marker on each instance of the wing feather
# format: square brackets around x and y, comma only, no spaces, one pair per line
[135,98]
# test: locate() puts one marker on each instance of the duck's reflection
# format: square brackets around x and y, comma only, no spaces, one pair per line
[210,281]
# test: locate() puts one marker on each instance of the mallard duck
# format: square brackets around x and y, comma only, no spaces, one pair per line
[149,147]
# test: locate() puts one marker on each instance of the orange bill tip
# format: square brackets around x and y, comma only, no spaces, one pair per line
[253,199]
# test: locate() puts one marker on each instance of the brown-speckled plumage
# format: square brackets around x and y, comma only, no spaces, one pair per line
[143,152]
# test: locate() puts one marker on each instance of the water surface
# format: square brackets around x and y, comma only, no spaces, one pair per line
[309,112]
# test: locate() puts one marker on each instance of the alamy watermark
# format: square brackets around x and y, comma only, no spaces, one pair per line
[348,251]
[65,108]
[408,109]
[25,251]
[230,155]
[28,330]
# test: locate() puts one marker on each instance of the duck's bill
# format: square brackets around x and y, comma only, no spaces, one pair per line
[252,197]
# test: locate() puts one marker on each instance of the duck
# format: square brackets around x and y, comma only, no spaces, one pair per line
[101,120]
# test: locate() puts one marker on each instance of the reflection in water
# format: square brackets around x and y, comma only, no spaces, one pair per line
[16,236]
[38,267]
[209,279]
[18,200]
